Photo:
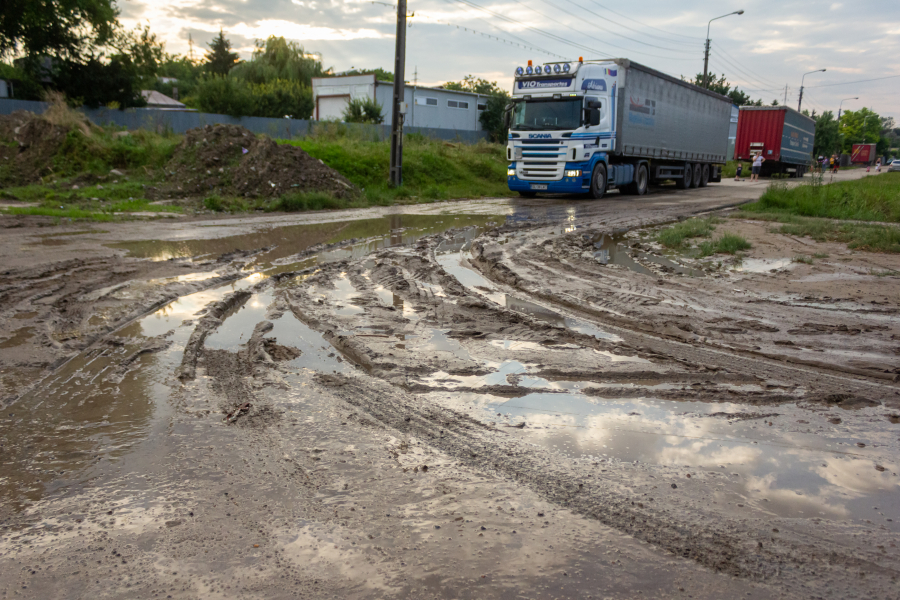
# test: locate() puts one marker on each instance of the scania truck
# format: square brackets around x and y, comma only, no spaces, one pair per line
[587,127]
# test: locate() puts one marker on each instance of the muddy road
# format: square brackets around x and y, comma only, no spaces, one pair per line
[484,399]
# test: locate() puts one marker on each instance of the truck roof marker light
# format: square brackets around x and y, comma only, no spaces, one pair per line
[529,70]
[566,68]
[547,69]
[520,71]
[556,69]
[581,59]
[529,63]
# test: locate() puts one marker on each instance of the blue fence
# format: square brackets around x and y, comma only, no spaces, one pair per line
[179,122]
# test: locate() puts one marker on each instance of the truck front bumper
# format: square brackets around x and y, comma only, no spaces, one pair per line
[566,185]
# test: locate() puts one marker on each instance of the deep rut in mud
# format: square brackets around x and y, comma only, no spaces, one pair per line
[519,361]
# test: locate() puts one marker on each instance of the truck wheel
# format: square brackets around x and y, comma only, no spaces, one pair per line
[685,182]
[698,174]
[528,194]
[641,182]
[598,181]
[704,176]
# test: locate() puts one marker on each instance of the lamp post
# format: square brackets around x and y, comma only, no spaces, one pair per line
[706,53]
[800,101]
[841,106]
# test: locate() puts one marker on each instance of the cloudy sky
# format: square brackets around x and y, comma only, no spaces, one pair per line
[767,48]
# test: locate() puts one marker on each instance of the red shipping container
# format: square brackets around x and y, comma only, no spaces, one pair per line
[756,127]
[862,153]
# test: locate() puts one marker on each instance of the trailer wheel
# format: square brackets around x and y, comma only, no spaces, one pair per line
[704,176]
[685,182]
[698,174]
[598,181]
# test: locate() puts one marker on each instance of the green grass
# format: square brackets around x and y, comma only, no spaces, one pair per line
[675,236]
[870,237]
[730,169]
[873,198]
[432,169]
[806,260]
[727,243]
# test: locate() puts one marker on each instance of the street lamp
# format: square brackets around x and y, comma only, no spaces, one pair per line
[706,53]
[841,105]
[800,101]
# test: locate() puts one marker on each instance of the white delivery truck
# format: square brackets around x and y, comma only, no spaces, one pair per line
[588,127]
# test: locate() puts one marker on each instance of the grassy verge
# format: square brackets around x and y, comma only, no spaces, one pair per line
[870,237]
[432,169]
[679,235]
[874,198]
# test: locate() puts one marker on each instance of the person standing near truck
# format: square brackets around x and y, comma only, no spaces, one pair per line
[758,160]
[738,171]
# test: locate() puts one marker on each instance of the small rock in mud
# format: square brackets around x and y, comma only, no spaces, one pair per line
[879,468]
[278,352]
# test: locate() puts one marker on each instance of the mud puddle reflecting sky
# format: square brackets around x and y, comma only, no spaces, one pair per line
[371,234]
[813,470]
[609,249]
[455,262]
[104,403]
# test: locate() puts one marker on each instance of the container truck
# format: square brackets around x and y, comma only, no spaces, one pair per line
[784,136]
[587,127]
[863,153]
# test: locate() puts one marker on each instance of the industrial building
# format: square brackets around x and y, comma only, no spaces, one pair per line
[426,106]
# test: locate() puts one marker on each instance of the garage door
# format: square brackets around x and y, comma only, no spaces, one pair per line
[331,107]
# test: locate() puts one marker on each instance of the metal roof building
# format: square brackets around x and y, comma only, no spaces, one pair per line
[427,107]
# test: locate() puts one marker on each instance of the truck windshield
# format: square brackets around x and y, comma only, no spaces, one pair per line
[547,114]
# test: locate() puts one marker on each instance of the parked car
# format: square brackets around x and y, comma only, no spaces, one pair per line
[895,165]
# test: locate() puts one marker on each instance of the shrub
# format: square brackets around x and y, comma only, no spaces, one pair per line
[363,110]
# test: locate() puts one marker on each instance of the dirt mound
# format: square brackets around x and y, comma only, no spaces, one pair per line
[28,144]
[230,160]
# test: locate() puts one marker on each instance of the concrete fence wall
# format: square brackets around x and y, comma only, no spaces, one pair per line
[179,122]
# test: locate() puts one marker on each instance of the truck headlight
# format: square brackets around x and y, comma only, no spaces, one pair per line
[573,173]
[510,172]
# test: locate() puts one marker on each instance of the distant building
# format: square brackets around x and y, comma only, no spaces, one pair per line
[156,100]
[426,106]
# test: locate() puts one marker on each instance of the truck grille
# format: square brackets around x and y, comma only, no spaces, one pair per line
[542,160]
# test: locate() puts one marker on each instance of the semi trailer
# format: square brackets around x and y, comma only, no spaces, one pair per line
[784,136]
[863,154]
[586,127]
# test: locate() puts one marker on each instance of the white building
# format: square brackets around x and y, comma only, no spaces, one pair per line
[427,107]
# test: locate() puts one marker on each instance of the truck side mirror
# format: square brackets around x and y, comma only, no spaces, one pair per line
[507,115]
[595,116]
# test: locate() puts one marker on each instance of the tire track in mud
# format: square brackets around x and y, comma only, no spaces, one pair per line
[681,525]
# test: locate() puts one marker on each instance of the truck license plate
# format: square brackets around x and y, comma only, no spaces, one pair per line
[539,186]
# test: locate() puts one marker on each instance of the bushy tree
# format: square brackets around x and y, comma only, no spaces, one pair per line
[491,117]
[475,85]
[68,29]
[282,98]
[380,74]
[96,83]
[220,60]
[720,85]
[827,139]
[144,50]
[363,110]
[225,95]
[276,58]
[859,127]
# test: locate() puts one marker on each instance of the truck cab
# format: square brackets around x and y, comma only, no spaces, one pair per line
[562,125]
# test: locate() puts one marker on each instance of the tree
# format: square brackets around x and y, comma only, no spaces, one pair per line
[96,82]
[63,29]
[363,110]
[225,95]
[282,98]
[719,85]
[276,58]
[380,74]
[145,51]
[860,127]
[828,138]
[475,85]
[220,59]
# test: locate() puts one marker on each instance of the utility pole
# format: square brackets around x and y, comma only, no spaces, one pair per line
[706,64]
[396,113]
[800,101]
[785,94]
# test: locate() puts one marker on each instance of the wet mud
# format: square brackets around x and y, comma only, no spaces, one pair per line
[462,406]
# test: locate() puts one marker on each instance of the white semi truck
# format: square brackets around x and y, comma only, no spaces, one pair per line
[588,127]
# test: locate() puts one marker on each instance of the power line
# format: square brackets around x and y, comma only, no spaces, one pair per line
[852,82]
[645,25]
[624,26]
[743,74]
[755,75]
[496,37]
